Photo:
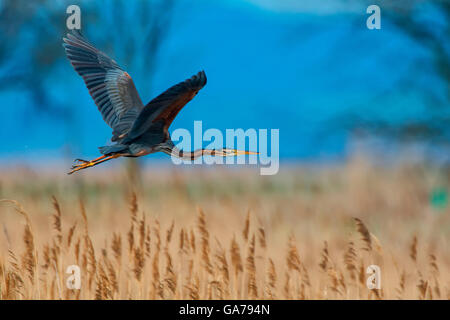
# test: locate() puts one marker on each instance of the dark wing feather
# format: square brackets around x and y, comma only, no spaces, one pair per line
[166,106]
[110,86]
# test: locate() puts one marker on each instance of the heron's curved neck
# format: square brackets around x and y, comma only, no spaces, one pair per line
[189,155]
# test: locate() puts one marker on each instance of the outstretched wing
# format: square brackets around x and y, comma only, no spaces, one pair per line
[110,86]
[166,106]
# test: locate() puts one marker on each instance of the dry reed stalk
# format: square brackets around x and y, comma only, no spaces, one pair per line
[413,249]
[437,290]
[116,247]
[434,273]
[433,265]
[181,248]
[293,258]
[139,263]
[272,276]
[324,261]
[170,278]
[157,230]
[103,289]
[192,241]
[205,249]
[84,216]
[142,232]
[250,265]
[183,253]
[52,290]
[342,283]
[130,237]
[236,260]
[286,288]
[77,250]
[377,293]
[305,276]
[262,238]
[133,207]
[194,288]
[224,273]
[189,275]
[57,226]
[2,277]
[377,244]
[365,234]
[46,257]
[147,242]
[294,263]
[58,280]
[169,234]
[362,273]
[55,251]
[113,277]
[70,235]
[246,230]
[91,260]
[15,283]
[57,242]
[423,288]
[333,276]
[263,245]
[30,257]
[401,287]
[157,287]
[350,260]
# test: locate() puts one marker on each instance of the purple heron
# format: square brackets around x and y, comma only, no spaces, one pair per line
[138,129]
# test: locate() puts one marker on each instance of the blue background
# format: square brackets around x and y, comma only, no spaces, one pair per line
[314,71]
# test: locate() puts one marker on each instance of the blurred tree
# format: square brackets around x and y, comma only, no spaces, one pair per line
[428,24]
[31,35]
[30,48]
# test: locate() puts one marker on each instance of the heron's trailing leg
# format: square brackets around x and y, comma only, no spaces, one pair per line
[82,162]
[87,161]
[86,164]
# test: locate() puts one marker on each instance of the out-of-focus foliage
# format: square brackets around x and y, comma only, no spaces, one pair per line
[311,69]
[427,23]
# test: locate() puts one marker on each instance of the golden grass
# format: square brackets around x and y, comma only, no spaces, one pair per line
[307,233]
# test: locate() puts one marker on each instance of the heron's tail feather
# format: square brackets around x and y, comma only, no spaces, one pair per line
[115,148]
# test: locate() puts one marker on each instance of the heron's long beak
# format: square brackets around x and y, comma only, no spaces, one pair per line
[242,152]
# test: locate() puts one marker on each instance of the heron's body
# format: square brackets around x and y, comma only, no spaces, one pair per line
[138,129]
[149,142]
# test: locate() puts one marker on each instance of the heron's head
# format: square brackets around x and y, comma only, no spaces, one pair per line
[233,152]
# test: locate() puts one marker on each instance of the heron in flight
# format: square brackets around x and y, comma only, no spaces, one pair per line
[138,129]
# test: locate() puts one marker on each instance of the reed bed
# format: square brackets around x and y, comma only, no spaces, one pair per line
[216,234]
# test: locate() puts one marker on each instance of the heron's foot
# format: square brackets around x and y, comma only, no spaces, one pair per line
[82,166]
[79,163]
[86,164]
